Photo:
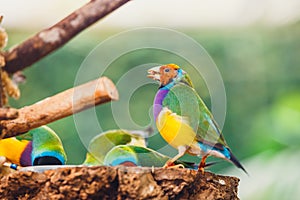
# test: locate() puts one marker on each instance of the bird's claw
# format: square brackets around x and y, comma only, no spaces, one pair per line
[170,165]
[202,164]
[201,169]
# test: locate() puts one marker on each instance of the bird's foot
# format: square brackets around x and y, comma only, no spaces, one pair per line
[170,165]
[202,164]
[201,169]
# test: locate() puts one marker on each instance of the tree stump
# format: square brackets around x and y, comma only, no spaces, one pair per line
[120,182]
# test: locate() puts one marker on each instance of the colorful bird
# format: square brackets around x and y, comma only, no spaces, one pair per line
[129,155]
[101,144]
[183,119]
[40,146]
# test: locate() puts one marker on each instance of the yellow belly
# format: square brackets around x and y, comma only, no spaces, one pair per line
[174,129]
[12,149]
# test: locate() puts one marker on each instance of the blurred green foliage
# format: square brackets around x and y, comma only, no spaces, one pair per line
[259,66]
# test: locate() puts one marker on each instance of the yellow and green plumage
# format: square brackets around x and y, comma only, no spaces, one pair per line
[101,144]
[130,155]
[40,146]
[125,147]
[183,119]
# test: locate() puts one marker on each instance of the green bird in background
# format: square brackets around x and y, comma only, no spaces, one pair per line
[40,146]
[127,148]
[129,155]
[183,119]
[101,144]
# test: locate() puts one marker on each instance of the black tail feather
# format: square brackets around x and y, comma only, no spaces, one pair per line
[235,161]
[212,163]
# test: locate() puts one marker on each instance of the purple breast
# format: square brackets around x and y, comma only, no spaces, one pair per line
[157,105]
[26,155]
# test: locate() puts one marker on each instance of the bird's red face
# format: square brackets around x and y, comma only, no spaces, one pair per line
[164,74]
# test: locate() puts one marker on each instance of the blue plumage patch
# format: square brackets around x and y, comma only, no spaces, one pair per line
[122,159]
[206,148]
[51,154]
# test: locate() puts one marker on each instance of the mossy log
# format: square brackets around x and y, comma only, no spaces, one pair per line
[118,183]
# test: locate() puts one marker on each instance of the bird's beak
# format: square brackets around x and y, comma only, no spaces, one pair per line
[154,73]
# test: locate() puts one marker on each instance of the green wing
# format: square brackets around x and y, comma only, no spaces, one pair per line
[140,156]
[45,142]
[148,157]
[25,136]
[184,100]
[104,142]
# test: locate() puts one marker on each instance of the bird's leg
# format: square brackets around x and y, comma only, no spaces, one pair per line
[181,152]
[202,164]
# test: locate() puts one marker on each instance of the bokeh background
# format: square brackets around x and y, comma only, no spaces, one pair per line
[255,45]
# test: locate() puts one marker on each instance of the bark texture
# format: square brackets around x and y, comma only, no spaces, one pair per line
[118,183]
[54,37]
[58,106]
[8,113]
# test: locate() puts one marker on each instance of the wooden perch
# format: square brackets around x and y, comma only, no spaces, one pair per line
[54,37]
[118,183]
[59,106]
[8,113]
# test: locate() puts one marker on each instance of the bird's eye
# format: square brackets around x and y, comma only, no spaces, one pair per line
[167,70]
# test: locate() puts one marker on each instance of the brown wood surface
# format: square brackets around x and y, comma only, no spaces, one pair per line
[61,105]
[118,183]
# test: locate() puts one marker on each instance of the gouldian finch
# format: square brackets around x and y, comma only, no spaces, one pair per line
[129,155]
[104,142]
[183,119]
[40,146]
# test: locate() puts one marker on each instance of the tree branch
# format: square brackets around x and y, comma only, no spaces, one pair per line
[8,113]
[54,37]
[59,106]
